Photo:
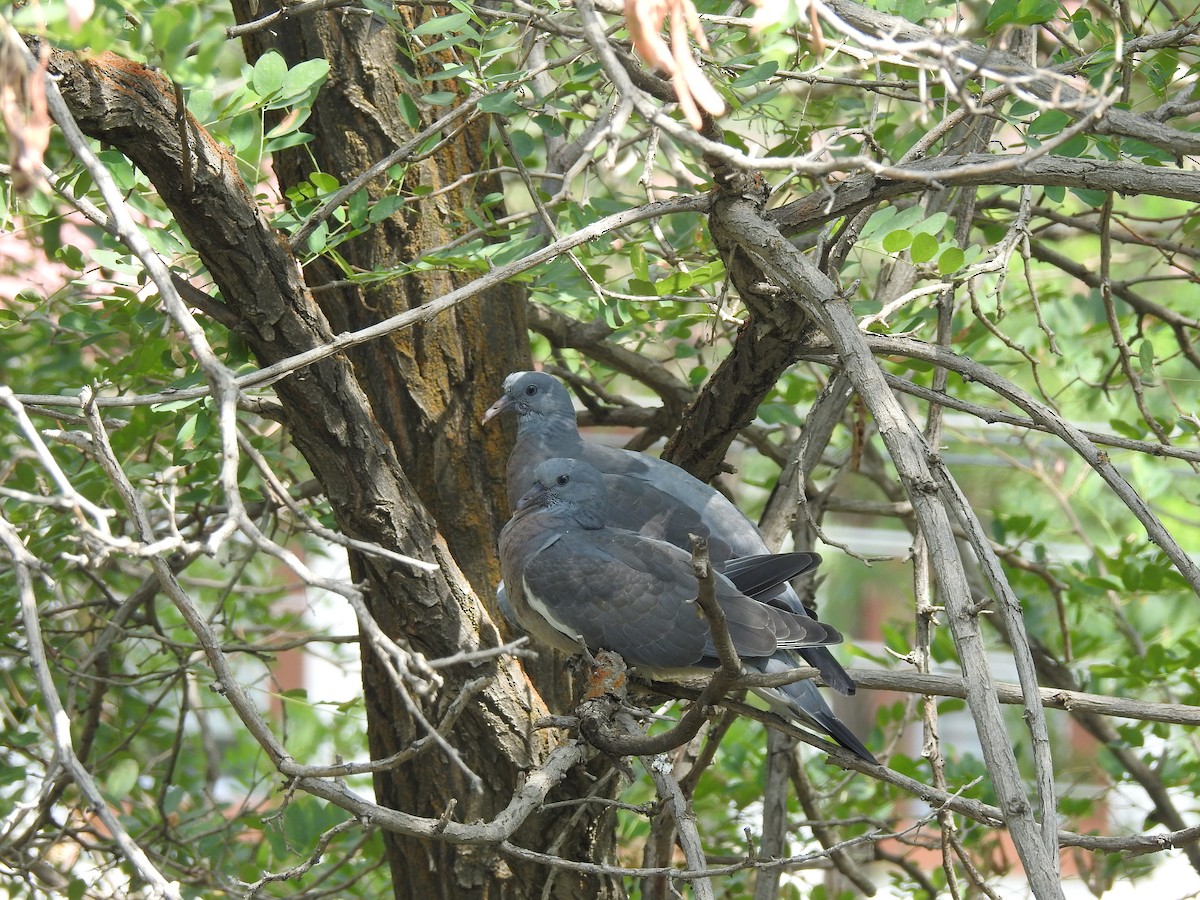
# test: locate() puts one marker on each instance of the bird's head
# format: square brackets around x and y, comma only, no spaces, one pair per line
[532,394]
[568,484]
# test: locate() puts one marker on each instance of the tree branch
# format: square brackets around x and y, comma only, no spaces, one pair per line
[860,191]
[1051,421]
[819,295]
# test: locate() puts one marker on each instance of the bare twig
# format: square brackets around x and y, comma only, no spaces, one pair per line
[24,565]
[954,686]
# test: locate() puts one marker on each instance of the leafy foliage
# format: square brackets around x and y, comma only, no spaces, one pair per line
[1004,216]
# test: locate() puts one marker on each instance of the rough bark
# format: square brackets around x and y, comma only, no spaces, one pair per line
[338,429]
[766,345]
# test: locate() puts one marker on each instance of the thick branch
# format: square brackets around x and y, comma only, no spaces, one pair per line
[819,295]
[861,191]
[766,345]
[952,686]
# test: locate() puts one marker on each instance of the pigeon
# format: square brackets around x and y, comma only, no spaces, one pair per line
[645,494]
[574,582]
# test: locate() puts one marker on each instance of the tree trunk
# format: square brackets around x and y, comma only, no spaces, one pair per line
[429,387]
[431,396]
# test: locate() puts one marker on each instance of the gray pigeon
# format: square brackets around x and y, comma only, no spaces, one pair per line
[572,580]
[645,494]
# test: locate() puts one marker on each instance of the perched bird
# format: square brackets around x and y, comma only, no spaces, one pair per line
[572,580]
[645,494]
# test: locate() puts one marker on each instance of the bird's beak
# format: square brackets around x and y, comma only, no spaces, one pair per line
[503,404]
[534,497]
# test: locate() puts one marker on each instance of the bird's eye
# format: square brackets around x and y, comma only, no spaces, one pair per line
[564,479]
[531,390]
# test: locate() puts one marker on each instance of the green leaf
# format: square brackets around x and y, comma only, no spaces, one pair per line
[1000,13]
[1081,23]
[897,241]
[1146,356]
[268,74]
[931,225]
[409,111]
[1073,147]
[1035,12]
[1020,12]
[384,208]
[1134,735]
[675,283]
[1160,68]
[319,239]
[443,24]
[951,260]
[775,413]
[924,247]
[288,125]
[170,34]
[385,11]
[188,430]
[1125,429]
[638,262]
[121,777]
[359,205]
[70,256]
[878,222]
[304,76]
[1050,122]
[502,104]
[755,74]
[290,139]
[175,405]
[907,218]
[324,182]
[1094,199]
[12,774]
[450,72]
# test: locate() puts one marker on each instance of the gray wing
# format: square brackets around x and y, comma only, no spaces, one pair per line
[506,608]
[750,622]
[624,592]
[755,628]
[722,519]
[724,522]
[637,505]
[755,575]
[588,585]
[521,542]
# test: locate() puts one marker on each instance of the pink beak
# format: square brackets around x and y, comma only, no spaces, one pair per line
[504,403]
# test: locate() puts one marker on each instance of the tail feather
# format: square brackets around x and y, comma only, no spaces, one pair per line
[764,577]
[803,703]
[831,670]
